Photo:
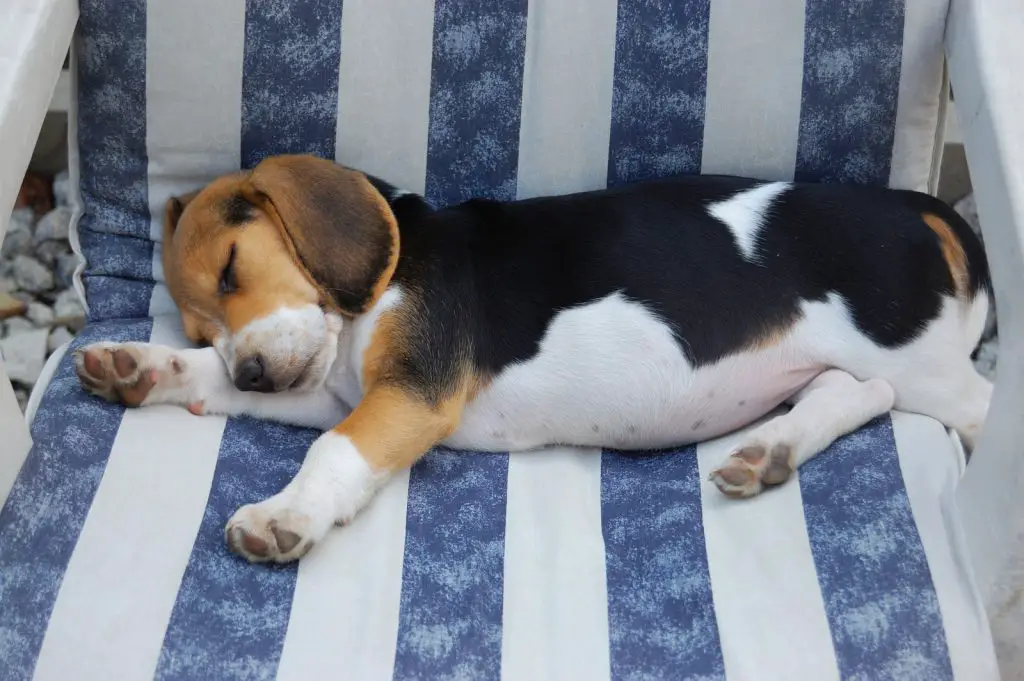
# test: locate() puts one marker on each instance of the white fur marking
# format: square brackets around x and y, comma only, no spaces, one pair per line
[744,215]
[291,340]
[612,373]
[363,328]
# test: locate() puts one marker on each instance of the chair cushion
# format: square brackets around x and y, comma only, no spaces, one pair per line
[557,564]
[486,99]
[561,563]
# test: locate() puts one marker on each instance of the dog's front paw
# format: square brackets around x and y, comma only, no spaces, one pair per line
[273,531]
[752,467]
[129,373]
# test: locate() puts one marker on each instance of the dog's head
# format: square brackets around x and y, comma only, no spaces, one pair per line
[265,264]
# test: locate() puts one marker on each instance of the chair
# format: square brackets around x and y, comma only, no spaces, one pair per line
[885,560]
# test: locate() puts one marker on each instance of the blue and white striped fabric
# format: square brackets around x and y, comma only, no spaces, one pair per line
[560,564]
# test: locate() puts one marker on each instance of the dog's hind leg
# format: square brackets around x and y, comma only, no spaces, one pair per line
[833,404]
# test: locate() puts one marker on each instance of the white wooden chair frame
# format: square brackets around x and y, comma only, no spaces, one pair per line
[984,51]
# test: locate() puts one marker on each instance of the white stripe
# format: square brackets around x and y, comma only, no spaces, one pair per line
[771,617]
[384,89]
[931,469]
[754,86]
[138,536]
[194,106]
[918,122]
[17,441]
[344,616]
[567,96]
[555,612]
[42,383]
[122,580]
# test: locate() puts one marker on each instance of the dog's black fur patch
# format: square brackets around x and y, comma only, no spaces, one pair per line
[490,276]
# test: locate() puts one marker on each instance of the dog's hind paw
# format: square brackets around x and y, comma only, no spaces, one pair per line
[752,467]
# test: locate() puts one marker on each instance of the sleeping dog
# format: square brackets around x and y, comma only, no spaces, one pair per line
[647,315]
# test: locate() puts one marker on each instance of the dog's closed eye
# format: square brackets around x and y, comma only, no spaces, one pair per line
[228,283]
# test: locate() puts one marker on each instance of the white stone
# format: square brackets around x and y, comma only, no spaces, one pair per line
[16,325]
[24,355]
[50,252]
[40,314]
[58,337]
[54,225]
[62,189]
[22,220]
[19,233]
[31,275]
[17,242]
[67,305]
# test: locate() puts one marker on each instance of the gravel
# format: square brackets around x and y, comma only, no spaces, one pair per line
[53,226]
[40,314]
[39,309]
[31,275]
[24,354]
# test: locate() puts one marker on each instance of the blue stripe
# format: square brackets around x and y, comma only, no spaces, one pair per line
[451,605]
[111,60]
[475,100]
[116,297]
[119,283]
[290,78]
[123,256]
[661,617]
[44,513]
[230,617]
[852,59]
[874,577]
[661,63]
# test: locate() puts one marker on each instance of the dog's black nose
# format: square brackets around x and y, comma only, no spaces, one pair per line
[249,375]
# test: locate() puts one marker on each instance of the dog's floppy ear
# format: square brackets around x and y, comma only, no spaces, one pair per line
[173,209]
[342,230]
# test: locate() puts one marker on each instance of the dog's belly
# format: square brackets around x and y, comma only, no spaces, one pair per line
[611,374]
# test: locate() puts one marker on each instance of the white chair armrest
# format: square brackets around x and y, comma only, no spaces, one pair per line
[985,51]
[34,38]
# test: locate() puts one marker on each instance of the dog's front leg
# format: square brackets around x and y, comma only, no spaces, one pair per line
[388,431]
[143,374]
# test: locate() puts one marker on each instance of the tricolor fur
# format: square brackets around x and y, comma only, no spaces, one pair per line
[648,315]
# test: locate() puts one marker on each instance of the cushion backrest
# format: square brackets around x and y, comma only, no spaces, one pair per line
[496,98]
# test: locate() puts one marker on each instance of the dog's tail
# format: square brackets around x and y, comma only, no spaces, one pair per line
[965,256]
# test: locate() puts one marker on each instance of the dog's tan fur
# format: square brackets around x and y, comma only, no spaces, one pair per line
[281,256]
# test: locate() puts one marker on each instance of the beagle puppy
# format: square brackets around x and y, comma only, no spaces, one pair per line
[643,316]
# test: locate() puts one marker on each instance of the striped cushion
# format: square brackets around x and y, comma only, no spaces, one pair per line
[558,564]
[561,564]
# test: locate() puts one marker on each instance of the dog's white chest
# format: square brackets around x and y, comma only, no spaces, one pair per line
[611,374]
